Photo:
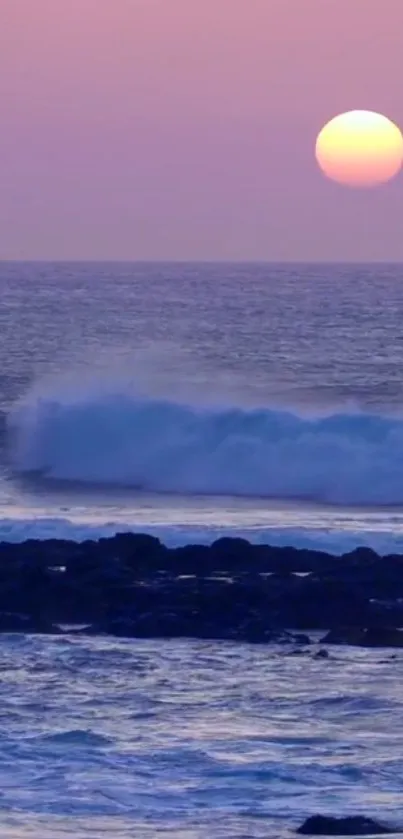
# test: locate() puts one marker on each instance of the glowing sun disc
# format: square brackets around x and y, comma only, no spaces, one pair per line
[360,148]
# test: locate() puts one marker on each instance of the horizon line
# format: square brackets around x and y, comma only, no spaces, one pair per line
[193,261]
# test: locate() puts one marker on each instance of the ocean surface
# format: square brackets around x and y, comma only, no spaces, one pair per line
[140,739]
[191,401]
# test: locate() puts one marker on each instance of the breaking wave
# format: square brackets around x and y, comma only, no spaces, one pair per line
[162,446]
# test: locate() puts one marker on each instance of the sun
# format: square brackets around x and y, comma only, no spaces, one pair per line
[360,148]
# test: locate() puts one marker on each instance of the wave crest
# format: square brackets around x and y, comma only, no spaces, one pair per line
[164,446]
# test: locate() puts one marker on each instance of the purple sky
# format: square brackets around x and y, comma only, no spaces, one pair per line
[185,129]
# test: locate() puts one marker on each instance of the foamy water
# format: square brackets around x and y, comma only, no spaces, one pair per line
[104,737]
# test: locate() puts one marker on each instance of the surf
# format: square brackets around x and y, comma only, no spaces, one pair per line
[165,446]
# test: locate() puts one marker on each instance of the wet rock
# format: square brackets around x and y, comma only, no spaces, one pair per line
[361,557]
[230,590]
[344,826]
[15,622]
[320,603]
[382,637]
[166,623]
[367,637]
[321,654]
[139,550]
[192,559]
[351,635]
[233,554]
[294,560]
[232,547]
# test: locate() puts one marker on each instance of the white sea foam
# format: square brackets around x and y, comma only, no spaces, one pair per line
[114,437]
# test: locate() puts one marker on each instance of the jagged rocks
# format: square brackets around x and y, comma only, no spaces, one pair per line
[230,590]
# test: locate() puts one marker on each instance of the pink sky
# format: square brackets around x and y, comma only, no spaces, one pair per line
[185,129]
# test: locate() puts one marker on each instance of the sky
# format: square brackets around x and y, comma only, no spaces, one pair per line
[185,129]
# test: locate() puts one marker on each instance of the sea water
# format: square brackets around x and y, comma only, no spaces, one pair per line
[193,401]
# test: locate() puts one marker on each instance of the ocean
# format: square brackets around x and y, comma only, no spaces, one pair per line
[199,399]
[191,401]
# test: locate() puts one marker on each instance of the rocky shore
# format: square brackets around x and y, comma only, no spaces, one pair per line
[132,585]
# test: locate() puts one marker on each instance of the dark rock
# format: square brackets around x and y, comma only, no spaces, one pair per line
[133,584]
[294,560]
[139,551]
[14,622]
[351,635]
[361,557]
[382,637]
[190,624]
[368,637]
[345,826]
[321,654]
[192,559]
[231,546]
[296,651]
[321,603]
[301,638]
